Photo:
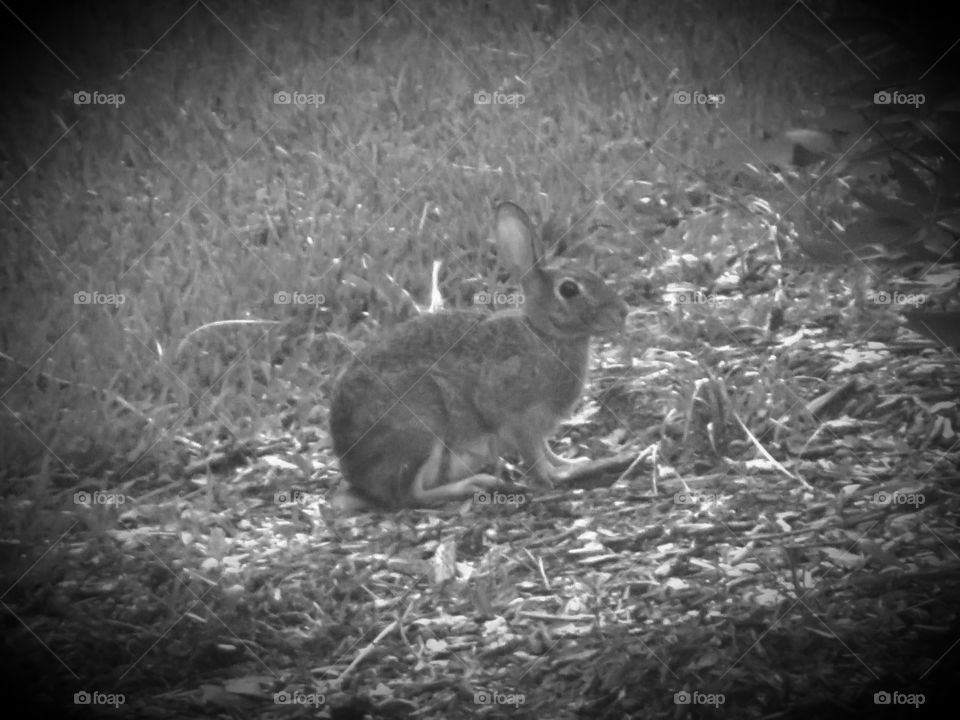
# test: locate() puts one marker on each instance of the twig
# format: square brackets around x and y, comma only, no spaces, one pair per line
[763,451]
[367,650]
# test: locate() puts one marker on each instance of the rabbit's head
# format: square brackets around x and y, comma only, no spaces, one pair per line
[562,299]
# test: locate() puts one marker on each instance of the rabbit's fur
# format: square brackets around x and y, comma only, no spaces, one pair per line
[424,409]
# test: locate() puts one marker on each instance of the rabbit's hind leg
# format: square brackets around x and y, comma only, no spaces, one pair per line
[452,473]
[381,464]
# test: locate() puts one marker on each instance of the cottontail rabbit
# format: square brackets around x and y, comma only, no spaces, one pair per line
[423,409]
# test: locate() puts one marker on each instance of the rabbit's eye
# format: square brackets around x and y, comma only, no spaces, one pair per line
[569,289]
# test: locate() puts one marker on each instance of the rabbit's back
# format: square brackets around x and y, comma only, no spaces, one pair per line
[487,365]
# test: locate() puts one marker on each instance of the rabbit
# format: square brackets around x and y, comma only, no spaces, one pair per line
[421,411]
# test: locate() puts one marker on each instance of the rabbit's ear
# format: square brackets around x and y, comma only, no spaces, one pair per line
[516,241]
